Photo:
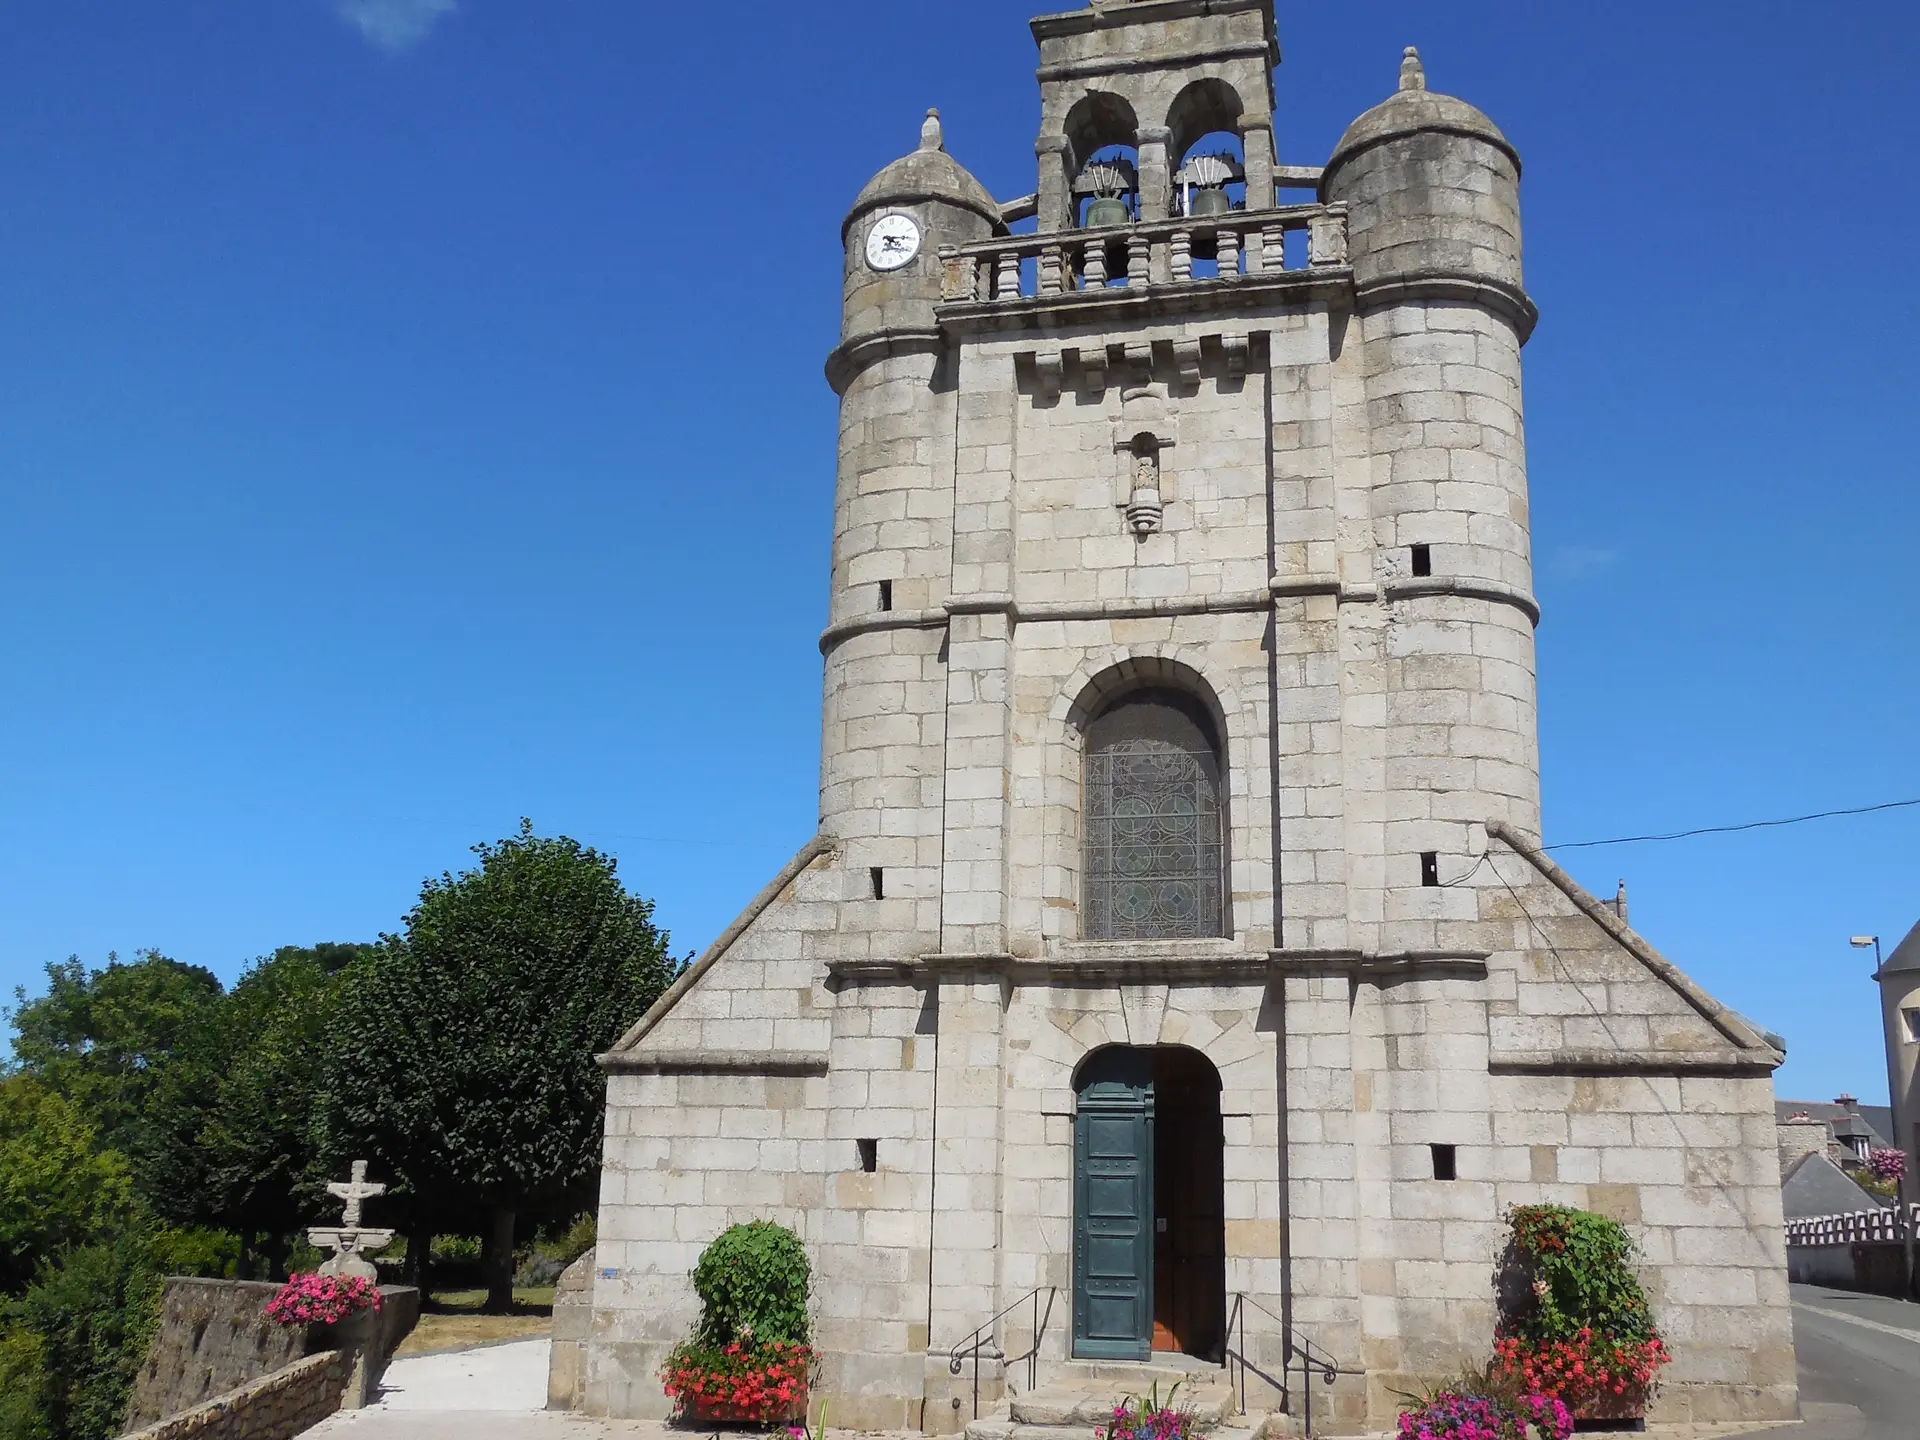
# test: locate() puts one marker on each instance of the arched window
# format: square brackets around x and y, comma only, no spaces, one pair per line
[1155,856]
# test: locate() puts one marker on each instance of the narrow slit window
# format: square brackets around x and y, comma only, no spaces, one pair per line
[869,1154]
[1423,559]
[886,594]
[1912,1017]
[878,877]
[1430,869]
[1446,1162]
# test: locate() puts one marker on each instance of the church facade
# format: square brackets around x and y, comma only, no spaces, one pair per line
[1176,971]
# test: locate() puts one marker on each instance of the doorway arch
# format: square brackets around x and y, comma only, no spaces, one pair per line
[1149,1228]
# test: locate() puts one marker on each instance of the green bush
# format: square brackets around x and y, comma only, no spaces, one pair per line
[578,1238]
[1582,1276]
[752,1283]
[88,1316]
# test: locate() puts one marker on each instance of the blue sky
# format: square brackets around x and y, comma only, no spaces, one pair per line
[411,419]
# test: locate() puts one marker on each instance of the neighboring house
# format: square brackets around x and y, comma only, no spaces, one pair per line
[1899,977]
[1814,1185]
[1844,1129]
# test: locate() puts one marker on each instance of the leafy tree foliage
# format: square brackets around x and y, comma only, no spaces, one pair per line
[89,1316]
[58,1188]
[461,1053]
[100,1038]
[230,1137]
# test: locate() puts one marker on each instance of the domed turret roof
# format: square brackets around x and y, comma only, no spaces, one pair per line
[929,173]
[1414,109]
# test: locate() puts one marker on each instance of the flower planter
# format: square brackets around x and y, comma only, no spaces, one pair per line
[1632,1405]
[712,1410]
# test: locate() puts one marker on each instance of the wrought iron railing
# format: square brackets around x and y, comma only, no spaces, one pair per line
[982,1336]
[1313,1360]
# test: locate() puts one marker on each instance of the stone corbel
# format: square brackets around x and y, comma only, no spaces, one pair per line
[1048,367]
[1235,349]
[1139,364]
[1186,363]
[1093,366]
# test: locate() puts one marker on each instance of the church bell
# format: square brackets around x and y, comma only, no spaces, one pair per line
[1208,201]
[1108,210]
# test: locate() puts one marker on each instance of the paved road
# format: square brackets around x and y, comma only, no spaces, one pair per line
[1859,1366]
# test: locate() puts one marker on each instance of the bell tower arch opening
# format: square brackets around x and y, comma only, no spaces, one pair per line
[1149,1236]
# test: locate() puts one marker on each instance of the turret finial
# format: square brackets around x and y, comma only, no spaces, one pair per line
[931,137]
[1413,75]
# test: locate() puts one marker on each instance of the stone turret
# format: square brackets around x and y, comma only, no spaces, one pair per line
[892,540]
[1431,190]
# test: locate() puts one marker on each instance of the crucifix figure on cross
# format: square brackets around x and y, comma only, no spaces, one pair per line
[350,1239]
[353,1191]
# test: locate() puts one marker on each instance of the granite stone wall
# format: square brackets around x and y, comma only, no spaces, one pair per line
[277,1406]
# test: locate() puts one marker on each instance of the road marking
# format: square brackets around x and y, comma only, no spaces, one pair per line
[1912,1335]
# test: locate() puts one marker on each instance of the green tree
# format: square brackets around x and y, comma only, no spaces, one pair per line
[102,1038]
[462,1054]
[229,1139]
[58,1188]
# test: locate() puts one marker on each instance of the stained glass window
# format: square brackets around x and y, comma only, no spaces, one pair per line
[1153,824]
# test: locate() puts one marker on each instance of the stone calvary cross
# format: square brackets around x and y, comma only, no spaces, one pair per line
[350,1238]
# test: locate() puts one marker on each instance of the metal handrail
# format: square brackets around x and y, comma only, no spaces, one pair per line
[1298,1346]
[983,1334]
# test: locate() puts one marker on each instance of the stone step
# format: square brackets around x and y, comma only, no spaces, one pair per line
[1083,1403]
[1250,1427]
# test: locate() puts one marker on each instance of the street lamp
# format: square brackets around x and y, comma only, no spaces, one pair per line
[1907,1181]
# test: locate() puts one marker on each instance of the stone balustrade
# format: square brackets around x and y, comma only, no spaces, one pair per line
[1858,1227]
[1191,250]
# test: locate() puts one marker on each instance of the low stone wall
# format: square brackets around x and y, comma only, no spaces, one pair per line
[572,1323]
[274,1407]
[213,1337]
[1875,1267]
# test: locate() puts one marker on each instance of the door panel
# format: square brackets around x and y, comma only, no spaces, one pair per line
[1113,1209]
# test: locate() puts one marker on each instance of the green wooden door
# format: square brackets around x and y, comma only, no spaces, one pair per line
[1113,1208]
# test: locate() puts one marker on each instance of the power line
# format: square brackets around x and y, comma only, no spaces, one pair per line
[1731,829]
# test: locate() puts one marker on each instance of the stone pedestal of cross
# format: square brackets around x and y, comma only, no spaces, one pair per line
[350,1238]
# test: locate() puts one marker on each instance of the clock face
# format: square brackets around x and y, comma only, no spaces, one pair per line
[892,242]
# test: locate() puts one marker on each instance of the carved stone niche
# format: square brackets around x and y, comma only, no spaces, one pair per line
[1142,436]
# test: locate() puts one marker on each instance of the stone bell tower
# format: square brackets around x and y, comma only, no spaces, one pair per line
[1176,968]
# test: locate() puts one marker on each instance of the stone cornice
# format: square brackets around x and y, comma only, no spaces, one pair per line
[714,1062]
[808,853]
[1466,588]
[1142,962]
[1729,1024]
[1509,302]
[1153,607]
[852,356]
[1119,306]
[1617,1062]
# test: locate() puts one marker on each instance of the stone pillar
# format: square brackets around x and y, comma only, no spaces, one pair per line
[967,1186]
[1256,144]
[979,664]
[1056,211]
[1323,1185]
[1156,173]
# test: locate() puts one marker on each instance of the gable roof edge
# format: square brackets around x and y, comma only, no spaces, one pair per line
[1726,1021]
[820,844]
